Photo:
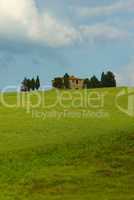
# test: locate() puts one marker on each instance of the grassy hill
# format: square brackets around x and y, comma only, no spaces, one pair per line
[69,156]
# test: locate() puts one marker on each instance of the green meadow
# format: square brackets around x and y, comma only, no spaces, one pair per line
[73,150]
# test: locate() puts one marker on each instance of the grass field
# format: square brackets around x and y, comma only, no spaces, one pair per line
[67,158]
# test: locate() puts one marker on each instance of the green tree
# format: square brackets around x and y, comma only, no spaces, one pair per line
[37,83]
[94,82]
[87,83]
[24,85]
[66,81]
[58,83]
[111,81]
[32,84]
[103,80]
[28,84]
[108,79]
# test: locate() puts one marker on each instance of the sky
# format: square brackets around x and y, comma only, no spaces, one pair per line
[52,37]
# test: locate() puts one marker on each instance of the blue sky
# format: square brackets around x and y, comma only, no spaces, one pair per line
[51,37]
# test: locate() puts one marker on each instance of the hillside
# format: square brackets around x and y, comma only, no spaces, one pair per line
[68,156]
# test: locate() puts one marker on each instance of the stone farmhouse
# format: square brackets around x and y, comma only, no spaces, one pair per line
[76,83]
[73,82]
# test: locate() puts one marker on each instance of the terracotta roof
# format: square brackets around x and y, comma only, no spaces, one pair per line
[74,78]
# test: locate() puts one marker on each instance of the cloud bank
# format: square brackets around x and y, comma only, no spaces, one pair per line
[21,20]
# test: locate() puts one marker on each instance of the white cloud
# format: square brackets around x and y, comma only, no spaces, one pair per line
[20,18]
[53,32]
[119,6]
[16,15]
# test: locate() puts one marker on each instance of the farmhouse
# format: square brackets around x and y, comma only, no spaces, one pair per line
[75,83]
[70,82]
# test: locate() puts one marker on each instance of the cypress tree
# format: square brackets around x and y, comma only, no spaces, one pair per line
[103,80]
[28,85]
[24,85]
[32,84]
[66,81]
[37,83]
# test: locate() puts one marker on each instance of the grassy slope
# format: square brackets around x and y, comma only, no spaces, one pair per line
[67,158]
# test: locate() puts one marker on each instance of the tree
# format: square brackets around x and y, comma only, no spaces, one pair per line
[103,80]
[87,83]
[24,87]
[37,83]
[111,82]
[58,83]
[66,81]
[32,84]
[94,82]
[108,79]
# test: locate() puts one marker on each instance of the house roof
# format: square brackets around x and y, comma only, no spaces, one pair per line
[74,78]
[71,78]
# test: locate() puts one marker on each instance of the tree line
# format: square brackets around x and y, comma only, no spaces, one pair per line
[30,84]
[107,80]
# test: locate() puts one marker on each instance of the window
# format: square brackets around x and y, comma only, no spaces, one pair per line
[77,81]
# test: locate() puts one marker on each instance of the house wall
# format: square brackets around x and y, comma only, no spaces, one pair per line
[76,84]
